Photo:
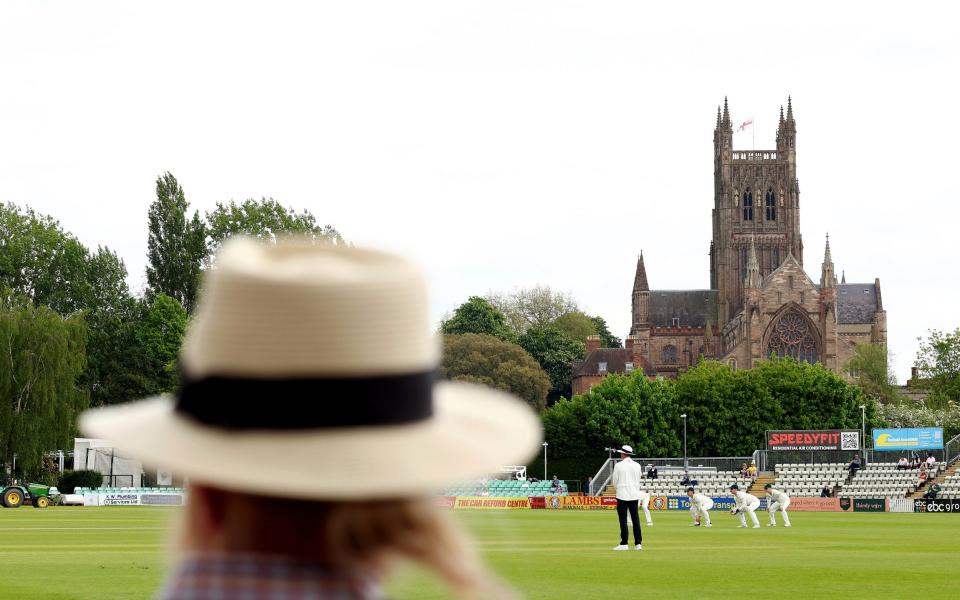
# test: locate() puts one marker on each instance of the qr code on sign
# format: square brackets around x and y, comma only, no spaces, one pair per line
[850,440]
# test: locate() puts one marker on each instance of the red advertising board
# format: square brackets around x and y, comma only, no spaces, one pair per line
[445,501]
[802,504]
[820,439]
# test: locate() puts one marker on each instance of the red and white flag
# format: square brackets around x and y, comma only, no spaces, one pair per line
[745,124]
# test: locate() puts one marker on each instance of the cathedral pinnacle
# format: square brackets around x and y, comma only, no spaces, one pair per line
[753,268]
[640,279]
[726,111]
[789,108]
[827,277]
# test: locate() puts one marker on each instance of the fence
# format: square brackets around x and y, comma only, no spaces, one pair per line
[951,450]
[724,463]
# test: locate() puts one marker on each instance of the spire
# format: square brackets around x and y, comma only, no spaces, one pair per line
[753,268]
[718,116]
[640,279]
[827,277]
[781,114]
[726,111]
[843,281]
[789,108]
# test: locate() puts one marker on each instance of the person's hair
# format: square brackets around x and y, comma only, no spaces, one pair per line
[358,536]
[768,486]
[690,489]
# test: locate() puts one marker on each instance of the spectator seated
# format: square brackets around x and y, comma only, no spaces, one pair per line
[886,480]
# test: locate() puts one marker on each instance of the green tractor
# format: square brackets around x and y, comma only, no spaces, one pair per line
[35,494]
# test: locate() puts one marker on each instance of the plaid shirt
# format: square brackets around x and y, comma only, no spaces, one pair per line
[255,577]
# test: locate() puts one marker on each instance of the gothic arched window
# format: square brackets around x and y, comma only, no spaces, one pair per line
[770,202]
[732,363]
[669,355]
[792,335]
[748,205]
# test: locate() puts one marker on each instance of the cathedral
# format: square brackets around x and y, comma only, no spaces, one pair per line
[761,301]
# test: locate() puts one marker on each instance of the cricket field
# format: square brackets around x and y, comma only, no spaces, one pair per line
[121,553]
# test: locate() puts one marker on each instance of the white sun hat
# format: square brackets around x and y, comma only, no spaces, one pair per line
[308,372]
[626,449]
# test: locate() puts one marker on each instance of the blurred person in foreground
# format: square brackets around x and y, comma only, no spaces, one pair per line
[311,429]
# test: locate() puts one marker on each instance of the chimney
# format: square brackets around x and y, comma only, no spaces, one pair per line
[914,375]
[593,343]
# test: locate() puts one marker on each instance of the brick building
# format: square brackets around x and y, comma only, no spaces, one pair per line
[761,301]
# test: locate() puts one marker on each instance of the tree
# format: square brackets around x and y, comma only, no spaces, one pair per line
[556,353]
[477,315]
[538,306]
[160,335]
[607,339]
[938,362]
[485,359]
[267,220]
[41,357]
[870,369]
[176,245]
[42,262]
[621,409]
[576,326]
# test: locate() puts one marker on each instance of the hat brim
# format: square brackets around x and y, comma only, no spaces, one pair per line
[474,430]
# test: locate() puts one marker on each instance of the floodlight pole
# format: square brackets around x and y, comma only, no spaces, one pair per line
[685,465]
[545,461]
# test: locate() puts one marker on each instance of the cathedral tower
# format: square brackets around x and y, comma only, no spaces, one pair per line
[756,201]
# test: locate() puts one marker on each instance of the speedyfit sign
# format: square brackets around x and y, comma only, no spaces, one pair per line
[923,438]
[813,439]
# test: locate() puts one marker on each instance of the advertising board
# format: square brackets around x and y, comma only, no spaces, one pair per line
[863,504]
[922,438]
[921,505]
[805,504]
[491,502]
[813,439]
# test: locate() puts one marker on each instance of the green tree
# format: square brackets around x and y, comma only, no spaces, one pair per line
[869,367]
[41,357]
[491,361]
[477,315]
[160,335]
[607,339]
[938,362]
[621,409]
[265,219]
[576,326]
[42,262]
[556,353]
[46,264]
[538,306]
[176,245]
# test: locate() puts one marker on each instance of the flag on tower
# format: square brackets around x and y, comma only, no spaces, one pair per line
[745,124]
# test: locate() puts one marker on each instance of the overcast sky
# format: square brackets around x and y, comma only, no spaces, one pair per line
[504,144]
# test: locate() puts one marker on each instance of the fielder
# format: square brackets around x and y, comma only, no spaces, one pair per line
[700,507]
[645,505]
[777,500]
[746,503]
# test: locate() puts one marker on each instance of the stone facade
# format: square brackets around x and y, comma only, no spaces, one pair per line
[761,302]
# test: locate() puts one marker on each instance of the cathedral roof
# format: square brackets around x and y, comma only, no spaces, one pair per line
[616,359]
[694,308]
[856,302]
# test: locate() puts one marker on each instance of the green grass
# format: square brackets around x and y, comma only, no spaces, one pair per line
[120,553]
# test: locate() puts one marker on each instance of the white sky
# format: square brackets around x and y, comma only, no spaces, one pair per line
[502,143]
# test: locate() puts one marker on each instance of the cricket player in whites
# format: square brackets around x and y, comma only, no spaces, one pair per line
[700,507]
[746,503]
[777,500]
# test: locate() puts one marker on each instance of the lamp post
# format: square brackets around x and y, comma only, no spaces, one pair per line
[684,417]
[544,461]
[863,430]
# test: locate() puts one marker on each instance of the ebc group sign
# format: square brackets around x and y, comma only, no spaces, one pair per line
[813,439]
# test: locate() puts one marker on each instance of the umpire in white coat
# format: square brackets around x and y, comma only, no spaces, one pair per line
[626,478]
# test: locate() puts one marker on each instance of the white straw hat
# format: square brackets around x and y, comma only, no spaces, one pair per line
[308,372]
